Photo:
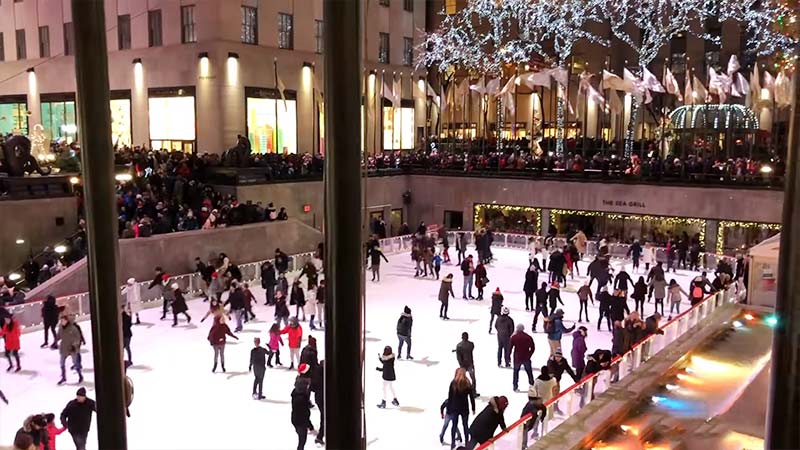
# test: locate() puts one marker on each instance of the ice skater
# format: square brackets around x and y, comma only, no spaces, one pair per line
[216,337]
[301,412]
[437,264]
[50,313]
[77,417]
[541,305]
[281,310]
[320,295]
[298,299]
[274,344]
[159,283]
[268,282]
[70,346]
[10,332]
[464,355]
[529,287]
[497,307]
[584,296]
[375,256]
[133,298]
[468,270]
[258,357]
[295,333]
[404,324]
[388,375]
[445,292]
[505,328]
[127,334]
[179,305]
[481,278]
[237,306]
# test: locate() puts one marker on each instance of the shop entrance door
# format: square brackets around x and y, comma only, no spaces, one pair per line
[395,221]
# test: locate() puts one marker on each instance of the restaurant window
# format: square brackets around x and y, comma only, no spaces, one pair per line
[121,121]
[383,48]
[14,117]
[507,218]
[69,39]
[188,34]
[172,119]
[408,5]
[249,25]
[44,42]
[285,31]
[124,32]
[271,121]
[22,51]
[450,7]
[154,37]
[408,51]
[398,127]
[59,120]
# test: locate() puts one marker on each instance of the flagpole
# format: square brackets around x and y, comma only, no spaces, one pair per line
[516,105]
[663,108]
[277,92]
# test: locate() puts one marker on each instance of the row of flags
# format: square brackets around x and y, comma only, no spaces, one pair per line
[730,83]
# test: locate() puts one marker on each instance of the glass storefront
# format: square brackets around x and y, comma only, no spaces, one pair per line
[172,122]
[14,118]
[59,120]
[626,227]
[322,129]
[735,236]
[121,122]
[508,218]
[271,122]
[398,128]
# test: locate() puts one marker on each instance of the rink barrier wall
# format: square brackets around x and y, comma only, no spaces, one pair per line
[575,397]
[29,314]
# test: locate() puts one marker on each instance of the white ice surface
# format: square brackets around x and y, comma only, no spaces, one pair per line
[180,404]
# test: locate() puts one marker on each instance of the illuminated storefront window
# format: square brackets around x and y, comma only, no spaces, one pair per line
[737,236]
[172,119]
[271,122]
[398,128]
[322,129]
[14,117]
[627,227]
[59,120]
[121,122]
[508,218]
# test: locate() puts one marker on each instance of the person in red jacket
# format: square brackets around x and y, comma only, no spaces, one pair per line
[522,347]
[52,431]
[10,332]
[295,332]
[216,336]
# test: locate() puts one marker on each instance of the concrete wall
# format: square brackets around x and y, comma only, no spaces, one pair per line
[383,194]
[432,195]
[33,221]
[175,252]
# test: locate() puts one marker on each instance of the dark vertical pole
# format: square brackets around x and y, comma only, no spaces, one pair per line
[94,118]
[343,344]
[783,414]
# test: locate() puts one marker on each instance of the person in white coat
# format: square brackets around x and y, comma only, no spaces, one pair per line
[648,256]
[133,298]
[310,308]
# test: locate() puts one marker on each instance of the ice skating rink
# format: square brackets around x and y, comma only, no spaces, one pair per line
[180,404]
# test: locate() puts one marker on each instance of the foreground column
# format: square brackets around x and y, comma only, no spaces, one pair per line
[343,265]
[94,118]
[783,414]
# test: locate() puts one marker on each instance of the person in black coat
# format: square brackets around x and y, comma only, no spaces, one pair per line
[554,296]
[497,307]
[309,354]
[505,328]
[388,375]
[621,283]
[77,417]
[531,280]
[298,299]
[556,266]
[639,293]
[318,388]
[281,261]
[258,365]
[179,305]
[463,351]
[605,299]
[268,281]
[404,324]
[375,255]
[236,301]
[301,413]
[50,314]
[127,334]
[541,305]
[619,308]
[485,424]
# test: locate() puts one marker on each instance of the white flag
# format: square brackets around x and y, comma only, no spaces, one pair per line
[585,82]
[688,93]
[281,89]
[739,86]
[640,92]
[479,87]
[700,93]
[493,86]
[509,86]
[614,103]
[397,91]
[560,75]
[733,65]
[719,83]
[671,84]
[651,82]
[388,91]
[595,96]
[533,79]
[783,90]
[508,94]
[769,81]
[614,82]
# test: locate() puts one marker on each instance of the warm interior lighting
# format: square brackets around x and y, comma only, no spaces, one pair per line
[60,249]
[232,69]
[766,169]
[14,276]
[20,241]
[123,177]
[138,74]
[74,180]
[204,66]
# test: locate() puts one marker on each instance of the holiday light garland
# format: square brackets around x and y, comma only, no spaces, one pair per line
[669,220]
[481,208]
[725,224]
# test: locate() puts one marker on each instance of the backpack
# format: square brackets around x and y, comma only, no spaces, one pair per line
[549,326]
[697,292]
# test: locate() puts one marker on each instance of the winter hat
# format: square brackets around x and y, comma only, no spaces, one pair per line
[174,286]
[131,280]
[502,402]
[497,290]
[504,311]
[303,369]
[407,310]
[559,312]
[81,392]
[520,328]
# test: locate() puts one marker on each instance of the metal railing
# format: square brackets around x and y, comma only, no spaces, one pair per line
[575,397]
[29,314]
